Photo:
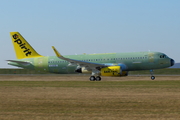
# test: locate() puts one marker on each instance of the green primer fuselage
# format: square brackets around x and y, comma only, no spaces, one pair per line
[132,61]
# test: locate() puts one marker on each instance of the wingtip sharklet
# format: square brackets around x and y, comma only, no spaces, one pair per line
[56,52]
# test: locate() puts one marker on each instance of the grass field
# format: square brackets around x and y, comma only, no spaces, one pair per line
[48,97]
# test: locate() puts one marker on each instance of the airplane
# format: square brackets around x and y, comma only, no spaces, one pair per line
[104,64]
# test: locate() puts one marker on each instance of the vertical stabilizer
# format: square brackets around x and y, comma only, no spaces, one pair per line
[22,48]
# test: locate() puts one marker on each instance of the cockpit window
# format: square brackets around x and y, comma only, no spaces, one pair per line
[162,56]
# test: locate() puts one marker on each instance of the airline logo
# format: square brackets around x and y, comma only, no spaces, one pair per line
[21,44]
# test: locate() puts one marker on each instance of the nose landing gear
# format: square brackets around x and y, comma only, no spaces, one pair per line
[152,76]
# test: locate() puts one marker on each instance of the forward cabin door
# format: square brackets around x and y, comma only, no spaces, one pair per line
[151,57]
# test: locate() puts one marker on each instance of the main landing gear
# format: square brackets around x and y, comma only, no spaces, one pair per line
[93,78]
[152,76]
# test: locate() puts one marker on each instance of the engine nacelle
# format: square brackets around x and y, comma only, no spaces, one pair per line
[113,71]
[107,71]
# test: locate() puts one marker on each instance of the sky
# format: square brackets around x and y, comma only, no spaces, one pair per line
[91,26]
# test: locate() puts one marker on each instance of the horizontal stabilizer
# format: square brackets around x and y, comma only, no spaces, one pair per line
[19,62]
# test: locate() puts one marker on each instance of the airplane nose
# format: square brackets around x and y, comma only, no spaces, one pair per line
[172,62]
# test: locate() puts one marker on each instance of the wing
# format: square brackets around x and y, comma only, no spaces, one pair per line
[87,65]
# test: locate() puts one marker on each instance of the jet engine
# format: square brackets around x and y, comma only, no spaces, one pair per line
[113,71]
[106,71]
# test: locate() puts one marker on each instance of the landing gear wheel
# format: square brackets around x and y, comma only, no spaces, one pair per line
[92,78]
[98,78]
[152,77]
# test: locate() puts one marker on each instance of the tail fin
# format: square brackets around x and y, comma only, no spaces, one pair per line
[22,48]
